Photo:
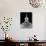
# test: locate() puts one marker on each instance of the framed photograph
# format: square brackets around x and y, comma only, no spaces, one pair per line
[26,19]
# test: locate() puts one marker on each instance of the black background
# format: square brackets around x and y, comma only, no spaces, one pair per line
[23,15]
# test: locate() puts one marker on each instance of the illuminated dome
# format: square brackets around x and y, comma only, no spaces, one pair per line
[26,19]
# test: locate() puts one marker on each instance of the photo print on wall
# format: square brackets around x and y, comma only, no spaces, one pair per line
[26,19]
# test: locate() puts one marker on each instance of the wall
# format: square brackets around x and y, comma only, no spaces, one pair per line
[12,8]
